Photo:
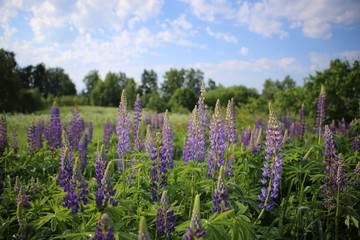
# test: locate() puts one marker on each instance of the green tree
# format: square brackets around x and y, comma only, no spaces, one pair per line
[342,85]
[130,89]
[149,81]
[9,82]
[58,83]
[193,80]
[183,98]
[90,81]
[173,80]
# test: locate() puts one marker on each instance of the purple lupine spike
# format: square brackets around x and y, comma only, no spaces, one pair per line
[1,183]
[76,129]
[221,194]
[107,134]
[123,131]
[148,119]
[137,119]
[335,179]
[217,142]
[204,119]
[302,120]
[90,131]
[342,127]
[66,164]
[100,165]
[39,133]
[245,137]
[31,139]
[22,197]
[3,134]
[151,150]
[321,111]
[15,141]
[83,150]
[106,192]
[196,230]
[273,164]
[191,145]
[356,144]
[54,128]
[259,123]
[230,122]
[102,230]
[77,190]
[165,218]
[167,145]
[292,130]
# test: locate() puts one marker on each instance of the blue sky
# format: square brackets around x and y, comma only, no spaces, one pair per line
[232,42]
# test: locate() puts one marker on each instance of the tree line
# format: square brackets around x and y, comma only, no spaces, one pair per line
[27,89]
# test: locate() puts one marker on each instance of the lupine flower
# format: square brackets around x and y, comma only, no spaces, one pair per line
[221,194]
[101,163]
[1,183]
[123,130]
[165,218]
[76,130]
[22,197]
[31,139]
[321,111]
[255,140]
[3,134]
[259,123]
[230,122]
[217,142]
[293,127]
[66,164]
[83,150]
[301,123]
[356,144]
[15,141]
[335,181]
[273,165]
[204,119]
[245,137]
[155,173]
[342,127]
[106,192]
[196,229]
[108,131]
[39,133]
[167,145]
[143,232]
[21,220]
[90,131]
[54,128]
[191,146]
[137,120]
[77,190]
[102,230]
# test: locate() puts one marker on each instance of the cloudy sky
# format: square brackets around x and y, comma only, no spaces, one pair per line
[232,42]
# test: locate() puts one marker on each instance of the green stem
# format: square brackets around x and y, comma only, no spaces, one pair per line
[337,213]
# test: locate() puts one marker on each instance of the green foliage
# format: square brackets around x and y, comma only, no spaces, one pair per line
[183,98]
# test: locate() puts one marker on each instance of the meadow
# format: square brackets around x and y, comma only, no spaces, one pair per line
[214,174]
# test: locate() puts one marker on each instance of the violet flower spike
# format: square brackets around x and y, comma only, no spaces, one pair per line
[192,142]
[90,131]
[66,164]
[204,119]
[100,165]
[218,138]
[230,121]
[83,150]
[321,111]
[103,230]
[137,120]
[15,141]
[165,218]
[3,134]
[54,128]
[151,150]
[123,131]
[22,197]
[221,194]
[31,139]
[196,230]
[301,123]
[106,192]
[273,164]
[167,145]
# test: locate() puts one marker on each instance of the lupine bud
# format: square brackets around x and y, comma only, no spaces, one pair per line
[230,122]
[123,130]
[301,123]
[22,197]
[273,165]
[321,111]
[221,194]
[102,230]
[106,192]
[143,232]
[21,220]
[196,229]
[137,119]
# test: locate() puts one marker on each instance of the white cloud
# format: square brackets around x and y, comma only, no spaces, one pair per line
[182,22]
[321,61]
[244,51]
[208,9]
[223,36]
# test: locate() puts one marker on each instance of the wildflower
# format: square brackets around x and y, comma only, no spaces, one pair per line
[255,140]
[356,144]
[15,141]
[39,133]
[106,191]
[196,229]
[77,190]
[22,197]
[102,230]
[90,131]
[108,131]
[83,150]
[17,184]
[203,117]
[342,127]
[230,122]
[35,186]
[167,146]
[54,128]
[192,150]
[246,136]
[143,232]
[123,130]
[100,165]
[3,134]
[165,218]
[66,164]
[273,165]
[76,130]
[301,123]
[31,139]
[217,142]
[259,124]
[321,111]
[137,120]
[221,194]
